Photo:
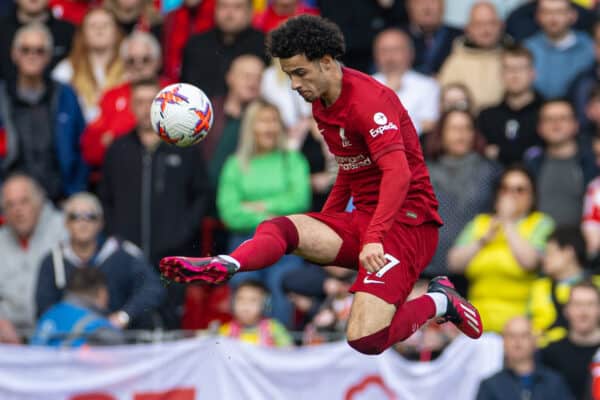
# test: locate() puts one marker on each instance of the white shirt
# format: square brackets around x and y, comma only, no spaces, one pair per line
[275,88]
[419,94]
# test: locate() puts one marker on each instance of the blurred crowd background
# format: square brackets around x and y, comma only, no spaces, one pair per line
[505,96]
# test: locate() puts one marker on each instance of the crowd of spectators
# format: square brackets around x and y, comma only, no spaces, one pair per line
[505,96]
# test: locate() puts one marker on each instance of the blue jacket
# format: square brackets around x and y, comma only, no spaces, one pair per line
[505,385]
[68,127]
[133,285]
[557,68]
[73,323]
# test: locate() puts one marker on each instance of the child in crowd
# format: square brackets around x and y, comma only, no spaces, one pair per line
[249,324]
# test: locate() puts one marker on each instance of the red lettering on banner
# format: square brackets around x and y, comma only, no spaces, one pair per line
[93,396]
[371,380]
[175,394]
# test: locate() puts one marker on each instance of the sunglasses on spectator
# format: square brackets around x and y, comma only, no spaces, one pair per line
[32,50]
[83,216]
[518,189]
[131,61]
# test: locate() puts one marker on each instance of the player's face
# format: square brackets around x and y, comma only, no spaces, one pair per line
[583,310]
[308,78]
[248,305]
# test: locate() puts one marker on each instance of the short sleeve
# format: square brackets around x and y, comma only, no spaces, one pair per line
[381,123]
[467,236]
[541,231]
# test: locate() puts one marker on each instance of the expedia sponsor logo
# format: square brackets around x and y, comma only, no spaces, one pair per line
[380,130]
[353,162]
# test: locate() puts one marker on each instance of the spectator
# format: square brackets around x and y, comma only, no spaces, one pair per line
[250,324]
[419,94]
[559,52]
[278,11]
[263,180]
[153,194]
[455,96]
[563,168]
[591,212]
[295,112]
[32,227]
[72,11]
[93,65]
[563,266]
[510,127]
[432,40]
[462,178]
[457,14]
[475,60]
[360,21]
[582,88]
[26,12]
[232,36]
[79,318]
[193,17]
[136,15]
[572,356]
[41,118]
[522,22]
[140,53]
[499,252]
[133,287]
[243,83]
[431,339]
[521,377]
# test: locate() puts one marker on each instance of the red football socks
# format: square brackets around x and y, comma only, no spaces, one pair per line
[272,240]
[409,317]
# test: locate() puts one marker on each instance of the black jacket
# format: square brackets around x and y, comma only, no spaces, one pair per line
[505,385]
[62,35]
[206,58]
[133,286]
[154,199]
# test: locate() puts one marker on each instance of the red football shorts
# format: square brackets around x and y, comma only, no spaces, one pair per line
[408,249]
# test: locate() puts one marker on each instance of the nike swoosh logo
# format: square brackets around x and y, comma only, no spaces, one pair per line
[367,280]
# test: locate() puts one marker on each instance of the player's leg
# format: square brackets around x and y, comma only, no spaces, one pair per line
[379,317]
[301,234]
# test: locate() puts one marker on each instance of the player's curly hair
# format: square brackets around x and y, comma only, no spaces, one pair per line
[310,35]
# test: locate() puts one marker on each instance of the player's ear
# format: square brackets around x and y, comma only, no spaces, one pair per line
[326,62]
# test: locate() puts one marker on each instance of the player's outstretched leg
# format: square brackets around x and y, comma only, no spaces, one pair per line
[441,302]
[273,239]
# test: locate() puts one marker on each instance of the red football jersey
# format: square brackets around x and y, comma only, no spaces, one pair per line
[366,122]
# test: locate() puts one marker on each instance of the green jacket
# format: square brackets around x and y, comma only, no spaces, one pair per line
[280,180]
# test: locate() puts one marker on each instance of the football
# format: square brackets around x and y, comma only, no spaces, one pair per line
[181,114]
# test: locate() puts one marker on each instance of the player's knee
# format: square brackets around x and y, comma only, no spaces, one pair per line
[372,344]
[282,227]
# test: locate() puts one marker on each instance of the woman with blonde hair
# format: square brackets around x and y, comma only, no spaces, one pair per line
[93,65]
[263,180]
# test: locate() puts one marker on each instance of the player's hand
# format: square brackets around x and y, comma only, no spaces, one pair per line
[372,257]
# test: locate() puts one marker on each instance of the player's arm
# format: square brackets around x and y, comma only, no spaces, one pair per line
[380,122]
[339,195]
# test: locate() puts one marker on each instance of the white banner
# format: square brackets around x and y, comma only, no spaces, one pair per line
[219,368]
